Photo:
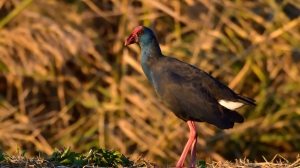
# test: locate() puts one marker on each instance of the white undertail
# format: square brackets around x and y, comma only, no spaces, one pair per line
[230,105]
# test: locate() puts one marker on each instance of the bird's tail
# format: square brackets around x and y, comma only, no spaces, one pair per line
[246,100]
[230,117]
[233,116]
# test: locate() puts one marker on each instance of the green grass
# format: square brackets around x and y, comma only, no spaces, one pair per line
[65,157]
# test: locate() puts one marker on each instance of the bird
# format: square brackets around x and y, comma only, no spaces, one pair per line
[190,93]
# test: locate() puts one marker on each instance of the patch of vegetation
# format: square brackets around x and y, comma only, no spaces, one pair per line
[95,157]
[201,164]
[112,158]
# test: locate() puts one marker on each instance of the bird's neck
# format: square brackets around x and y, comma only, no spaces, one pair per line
[150,55]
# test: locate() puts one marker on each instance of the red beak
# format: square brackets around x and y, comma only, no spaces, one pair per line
[131,39]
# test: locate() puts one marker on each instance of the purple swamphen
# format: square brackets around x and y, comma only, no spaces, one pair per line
[190,93]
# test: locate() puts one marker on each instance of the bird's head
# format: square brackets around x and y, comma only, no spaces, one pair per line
[142,35]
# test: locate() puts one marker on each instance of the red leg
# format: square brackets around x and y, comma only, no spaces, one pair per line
[193,149]
[189,143]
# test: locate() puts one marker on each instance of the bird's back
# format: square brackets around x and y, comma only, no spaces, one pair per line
[192,94]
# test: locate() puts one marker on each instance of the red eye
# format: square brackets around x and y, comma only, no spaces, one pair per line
[141,32]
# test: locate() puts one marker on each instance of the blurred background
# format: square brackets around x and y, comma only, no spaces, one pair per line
[66,77]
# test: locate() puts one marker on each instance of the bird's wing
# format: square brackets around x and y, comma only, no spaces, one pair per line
[189,100]
[222,93]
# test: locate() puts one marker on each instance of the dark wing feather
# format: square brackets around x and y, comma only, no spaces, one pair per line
[246,100]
